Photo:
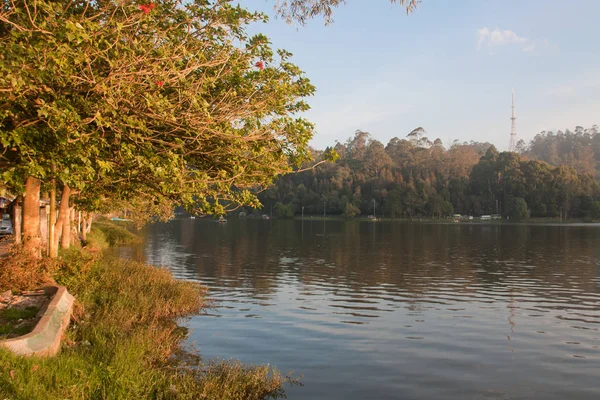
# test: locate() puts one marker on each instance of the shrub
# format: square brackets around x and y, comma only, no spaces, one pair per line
[350,210]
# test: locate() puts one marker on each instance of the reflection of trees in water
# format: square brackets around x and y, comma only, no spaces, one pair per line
[416,258]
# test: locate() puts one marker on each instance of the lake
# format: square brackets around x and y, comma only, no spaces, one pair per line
[396,310]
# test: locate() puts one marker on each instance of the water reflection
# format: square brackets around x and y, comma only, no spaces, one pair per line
[397,310]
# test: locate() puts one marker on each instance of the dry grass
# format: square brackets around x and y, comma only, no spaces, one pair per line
[20,271]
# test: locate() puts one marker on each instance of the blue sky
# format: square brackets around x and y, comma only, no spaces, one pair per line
[448,67]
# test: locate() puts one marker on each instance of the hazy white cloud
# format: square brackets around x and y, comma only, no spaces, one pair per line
[491,39]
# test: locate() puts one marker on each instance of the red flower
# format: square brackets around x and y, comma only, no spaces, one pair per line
[260,65]
[159,83]
[146,8]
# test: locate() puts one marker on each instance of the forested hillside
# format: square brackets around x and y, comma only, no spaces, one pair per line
[579,148]
[417,177]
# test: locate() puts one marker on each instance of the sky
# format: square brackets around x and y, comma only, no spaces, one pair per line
[449,67]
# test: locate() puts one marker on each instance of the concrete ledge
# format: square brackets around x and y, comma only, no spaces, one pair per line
[45,338]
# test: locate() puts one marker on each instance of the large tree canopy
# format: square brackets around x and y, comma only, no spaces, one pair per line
[170,99]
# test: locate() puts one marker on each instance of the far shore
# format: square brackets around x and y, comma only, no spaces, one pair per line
[448,220]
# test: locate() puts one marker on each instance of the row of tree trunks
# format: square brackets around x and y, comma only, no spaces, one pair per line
[63,229]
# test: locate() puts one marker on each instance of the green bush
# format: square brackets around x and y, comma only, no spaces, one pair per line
[350,210]
[284,210]
[517,209]
[96,239]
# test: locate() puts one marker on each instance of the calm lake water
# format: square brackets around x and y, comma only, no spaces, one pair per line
[393,310]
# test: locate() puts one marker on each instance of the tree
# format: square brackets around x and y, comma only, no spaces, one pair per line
[303,10]
[517,209]
[350,210]
[376,158]
[284,210]
[521,147]
[170,101]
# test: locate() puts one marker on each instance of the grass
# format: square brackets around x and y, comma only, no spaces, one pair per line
[7,330]
[107,233]
[13,321]
[124,342]
[15,314]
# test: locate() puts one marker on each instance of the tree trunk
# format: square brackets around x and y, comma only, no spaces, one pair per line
[83,226]
[31,217]
[65,242]
[62,215]
[74,233]
[90,219]
[44,215]
[52,241]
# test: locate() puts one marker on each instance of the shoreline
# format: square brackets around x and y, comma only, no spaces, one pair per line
[475,221]
[124,340]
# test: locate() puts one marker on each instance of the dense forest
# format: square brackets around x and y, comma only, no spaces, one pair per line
[554,176]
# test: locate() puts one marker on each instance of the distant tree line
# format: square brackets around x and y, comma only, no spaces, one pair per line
[579,149]
[555,176]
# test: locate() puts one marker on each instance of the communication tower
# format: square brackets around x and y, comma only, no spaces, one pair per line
[512,146]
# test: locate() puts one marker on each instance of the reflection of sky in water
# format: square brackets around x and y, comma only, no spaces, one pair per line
[367,310]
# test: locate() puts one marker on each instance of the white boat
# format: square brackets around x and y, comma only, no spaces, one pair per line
[222,220]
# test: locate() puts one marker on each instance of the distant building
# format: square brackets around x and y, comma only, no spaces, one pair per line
[486,217]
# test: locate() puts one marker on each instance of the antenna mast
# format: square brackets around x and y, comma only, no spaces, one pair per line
[512,146]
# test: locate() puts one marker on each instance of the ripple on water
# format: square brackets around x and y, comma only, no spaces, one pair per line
[368,310]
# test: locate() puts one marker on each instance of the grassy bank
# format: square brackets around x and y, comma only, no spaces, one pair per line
[106,233]
[124,342]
